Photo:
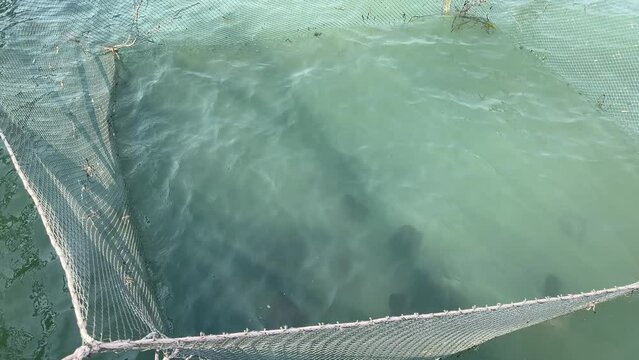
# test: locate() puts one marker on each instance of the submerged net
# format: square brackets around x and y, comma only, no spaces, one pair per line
[59,64]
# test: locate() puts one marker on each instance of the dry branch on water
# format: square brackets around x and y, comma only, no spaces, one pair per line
[115,49]
[465,16]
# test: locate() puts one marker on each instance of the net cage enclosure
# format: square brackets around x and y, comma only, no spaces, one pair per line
[60,68]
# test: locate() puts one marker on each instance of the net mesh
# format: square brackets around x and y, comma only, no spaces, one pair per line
[55,105]
[429,336]
[579,41]
[59,64]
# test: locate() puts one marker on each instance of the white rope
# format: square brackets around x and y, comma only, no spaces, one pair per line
[75,300]
[166,343]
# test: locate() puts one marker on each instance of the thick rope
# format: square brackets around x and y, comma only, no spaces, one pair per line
[165,343]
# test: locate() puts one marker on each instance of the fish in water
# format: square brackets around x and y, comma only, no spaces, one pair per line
[397,304]
[552,285]
[354,208]
[405,241]
[283,311]
[573,227]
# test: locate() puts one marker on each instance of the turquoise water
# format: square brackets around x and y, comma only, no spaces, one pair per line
[352,174]
[36,319]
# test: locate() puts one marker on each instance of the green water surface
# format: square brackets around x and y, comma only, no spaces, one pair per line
[350,174]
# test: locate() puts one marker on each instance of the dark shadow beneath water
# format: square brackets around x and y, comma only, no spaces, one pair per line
[255,268]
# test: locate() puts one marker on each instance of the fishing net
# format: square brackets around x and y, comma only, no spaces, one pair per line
[59,64]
